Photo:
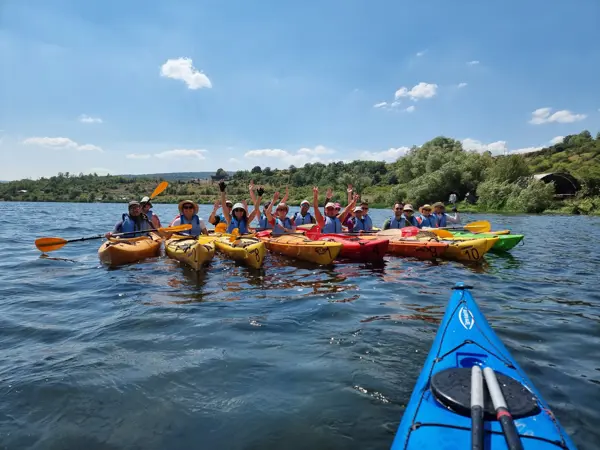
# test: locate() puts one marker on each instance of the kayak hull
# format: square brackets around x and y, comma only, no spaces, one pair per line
[300,247]
[413,247]
[464,339]
[245,250]
[505,243]
[358,249]
[117,252]
[472,250]
[195,252]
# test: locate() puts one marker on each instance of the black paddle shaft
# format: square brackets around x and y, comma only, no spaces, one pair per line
[100,236]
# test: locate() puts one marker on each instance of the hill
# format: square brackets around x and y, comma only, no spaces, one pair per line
[425,175]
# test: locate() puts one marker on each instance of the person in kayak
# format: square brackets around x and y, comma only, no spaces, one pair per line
[442,217]
[331,223]
[303,217]
[239,217]
[359,223]
[214,218]
[347,222]
[280,221]
[133,221]
[403,217]
[365,215]
[426,219]
[147,209]
[188,214]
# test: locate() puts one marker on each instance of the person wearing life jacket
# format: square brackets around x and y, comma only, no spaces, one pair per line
[263,221]
[403,217]
[214,218]
[359,223]
[280,221]
[133,221]
[347,224]
[442,217]
[147,209]
[238,217]
[188,214]
[365,215]
[426,219]
[303,217]
[331,222]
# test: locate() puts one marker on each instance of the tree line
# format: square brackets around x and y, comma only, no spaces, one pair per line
[425,174]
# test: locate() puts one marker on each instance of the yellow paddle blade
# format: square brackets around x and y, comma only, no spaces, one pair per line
[480,226]
[49,244]
[176,228]
[159,189]
[441,233]
[221,227]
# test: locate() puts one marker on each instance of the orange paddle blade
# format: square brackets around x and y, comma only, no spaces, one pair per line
[480,226]
[49,244]
[176,228]
[159,189]
[441,233]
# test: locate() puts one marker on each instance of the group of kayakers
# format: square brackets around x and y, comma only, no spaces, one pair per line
[354,217]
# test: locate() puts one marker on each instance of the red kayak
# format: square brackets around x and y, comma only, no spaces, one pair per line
[357,248]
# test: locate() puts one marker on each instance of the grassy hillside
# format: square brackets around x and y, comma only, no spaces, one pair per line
[425,175]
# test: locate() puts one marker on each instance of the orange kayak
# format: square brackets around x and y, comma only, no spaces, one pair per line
[413,247]
[116,252]
[300,247]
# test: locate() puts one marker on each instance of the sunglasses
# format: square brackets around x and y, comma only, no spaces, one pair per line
[329,208]
[365,209]
[238,210]
[281,209]
[426,209]
[188,207]
[397,209]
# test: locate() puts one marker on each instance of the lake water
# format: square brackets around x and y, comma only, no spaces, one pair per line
[156,356]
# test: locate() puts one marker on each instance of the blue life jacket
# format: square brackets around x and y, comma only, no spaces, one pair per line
[332,225]
[195,222]
[300,220]
[404,222]
[360,224]
[430,221]
[368,222]
[241,225]
[263,222]
[149,214]
[441,220]
[129,225]
[281,224]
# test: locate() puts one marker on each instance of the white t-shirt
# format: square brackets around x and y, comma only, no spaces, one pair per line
[177,221]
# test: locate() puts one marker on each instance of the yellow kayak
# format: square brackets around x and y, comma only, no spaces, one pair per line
[195,252]
[300,247]
[246,250]
[468,250]
[116,252]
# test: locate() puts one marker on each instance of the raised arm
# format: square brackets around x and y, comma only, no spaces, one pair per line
[251,190]
[349,191]
[285,197]
[328,197]
[348,208]
[212,219]
[318,216]
[270,208]
[223,201]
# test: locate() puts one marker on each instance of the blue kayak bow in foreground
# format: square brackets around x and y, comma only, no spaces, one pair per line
[451,406]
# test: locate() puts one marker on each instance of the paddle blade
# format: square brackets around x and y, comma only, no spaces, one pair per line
[49,244]
[234,234]
[441,233]
[176,228]
[159,189]
[221,227]
[313,233]
[409,231]
[480,226]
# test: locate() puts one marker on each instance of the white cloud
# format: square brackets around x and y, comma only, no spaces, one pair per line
[421,53]
[557,140]
[473,63]
[88,119]
[545,115]
[138,156]
[410,109]
[380,105]
[496,148]
[462,85]
[287,158]
[182,69]
[421,90]
[60,143]
[526,150]
[389,155]
[182,153]
[234,160]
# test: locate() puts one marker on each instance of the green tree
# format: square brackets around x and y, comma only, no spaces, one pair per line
[256,169]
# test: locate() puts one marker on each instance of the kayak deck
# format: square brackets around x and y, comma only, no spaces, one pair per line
[465,339]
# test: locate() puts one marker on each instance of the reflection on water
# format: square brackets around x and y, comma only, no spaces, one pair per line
[316,357]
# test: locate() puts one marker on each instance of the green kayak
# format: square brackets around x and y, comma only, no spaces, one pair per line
[505,242]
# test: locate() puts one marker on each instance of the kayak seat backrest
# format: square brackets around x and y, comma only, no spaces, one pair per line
[452,389]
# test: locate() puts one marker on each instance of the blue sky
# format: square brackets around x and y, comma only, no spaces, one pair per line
[156,86]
